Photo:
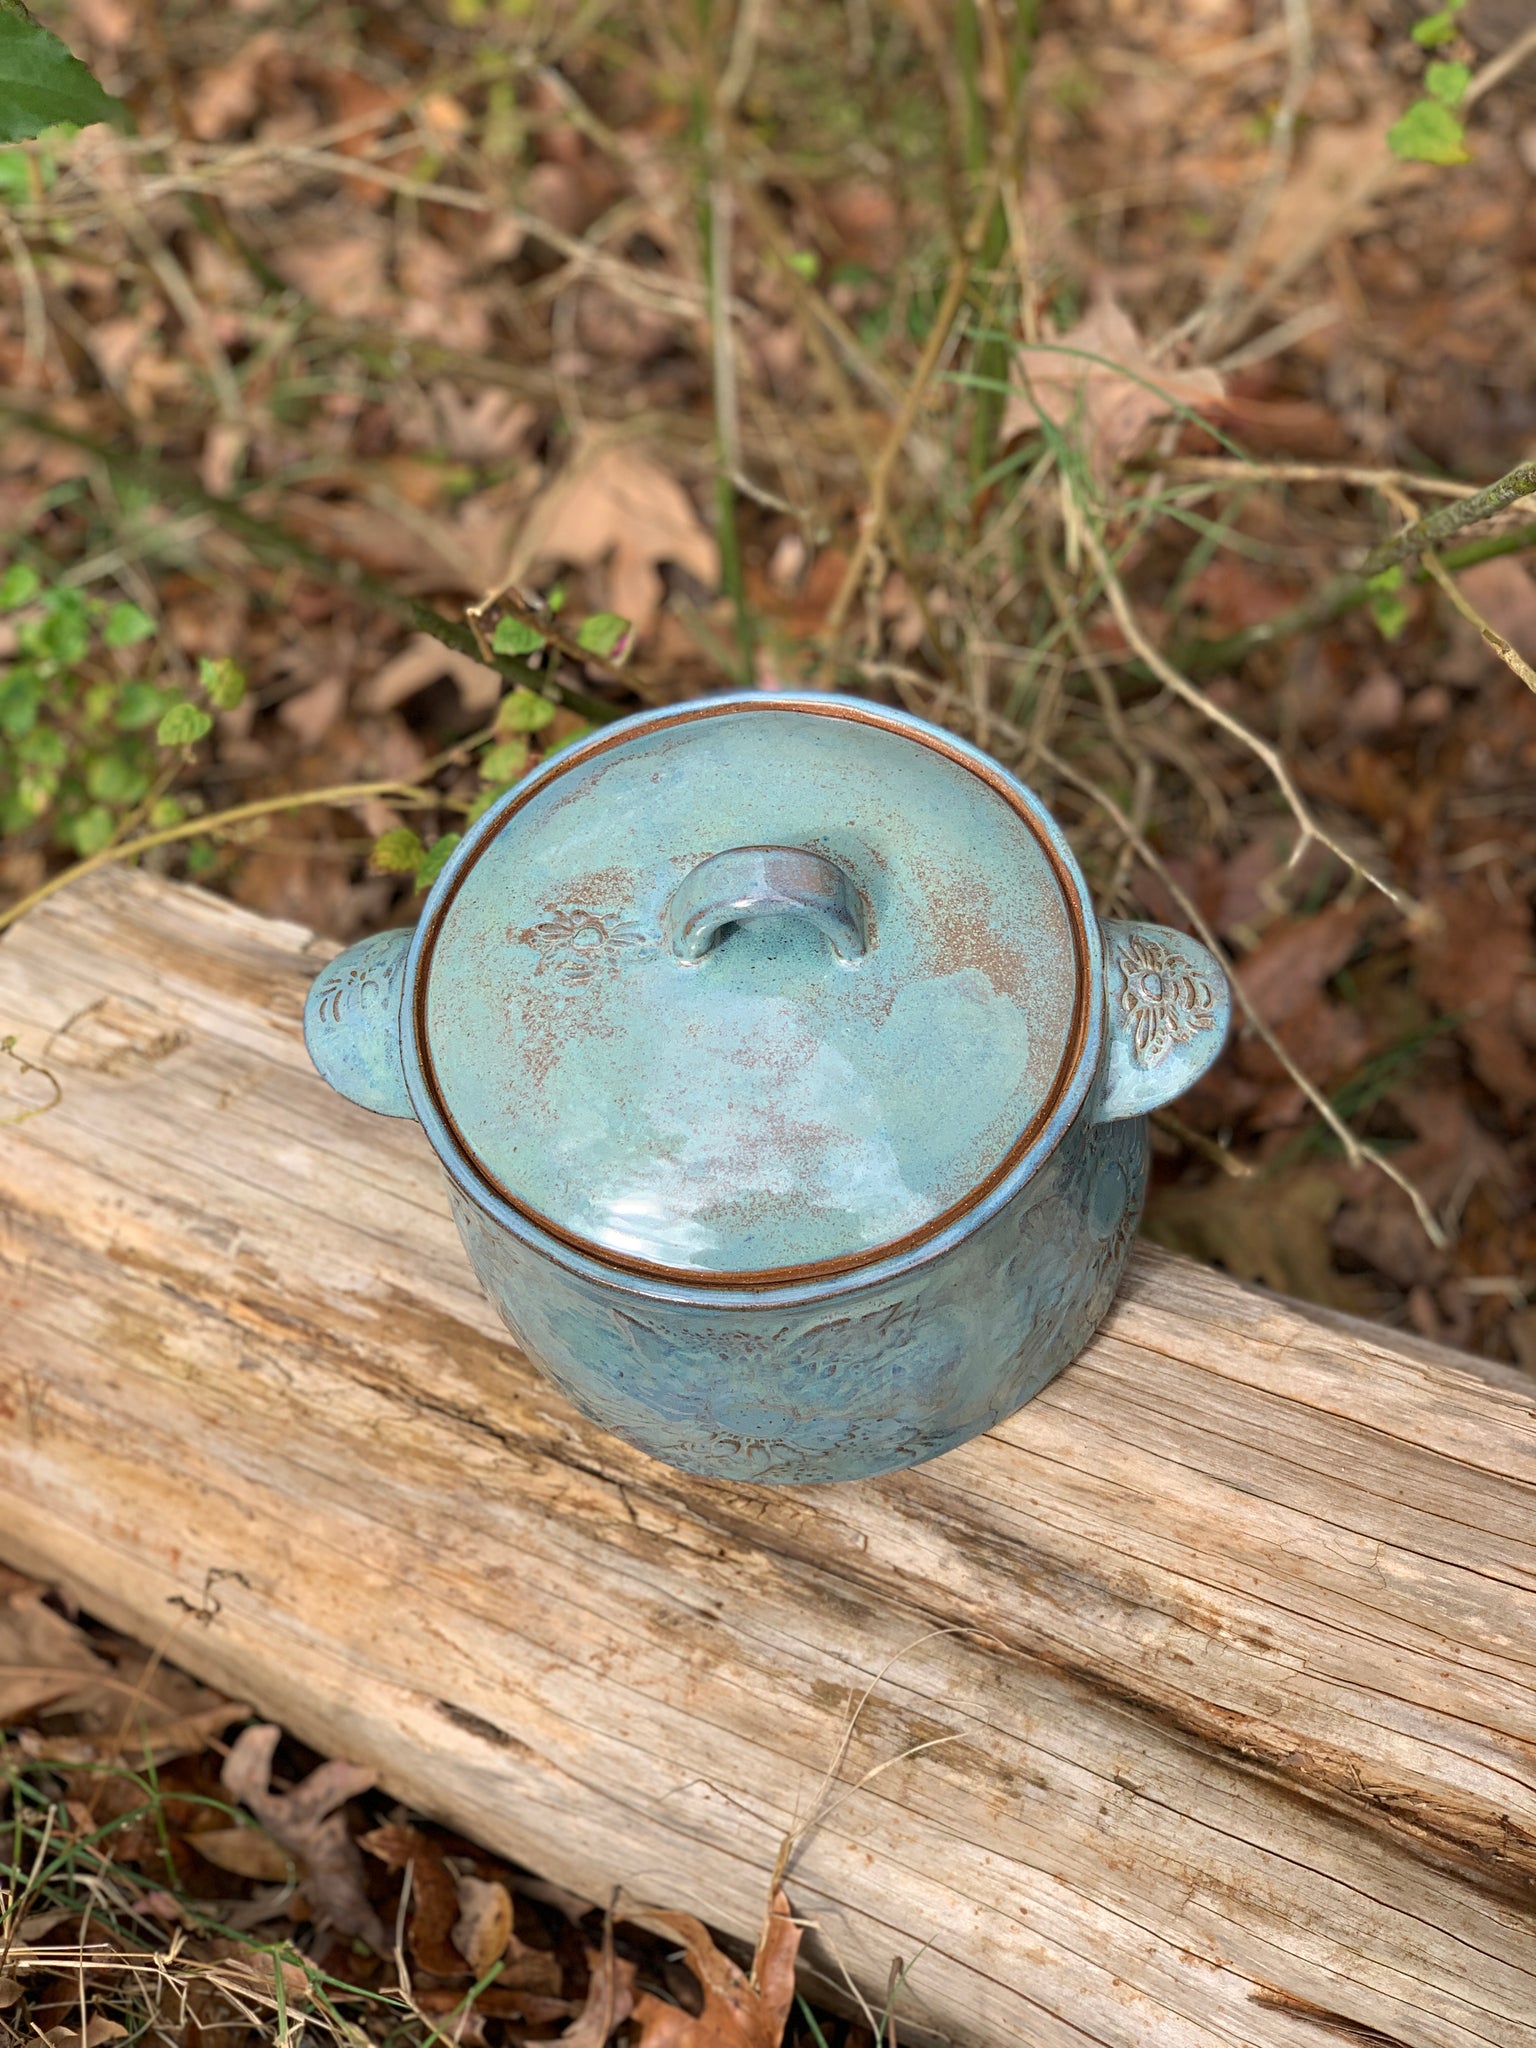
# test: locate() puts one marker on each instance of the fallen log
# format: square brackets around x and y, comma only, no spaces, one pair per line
[1198,1700]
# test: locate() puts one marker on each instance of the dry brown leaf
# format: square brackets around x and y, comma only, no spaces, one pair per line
[738,2012]
[98,2032]
[1111,403]
[307,1824]
[43,1657]
[434,1895]
[244,1852]
[420,662]
[610,1998]
[1297,956]
[1475,966]
[1275,1232]
[1504,591]
[229,96]
[616,504]
[484,1926]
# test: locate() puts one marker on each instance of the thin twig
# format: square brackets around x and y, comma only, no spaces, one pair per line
[1435,527]
[1497,69]
[1311,828]
[1319,473]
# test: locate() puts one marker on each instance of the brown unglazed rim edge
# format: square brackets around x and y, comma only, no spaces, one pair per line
[767,1278]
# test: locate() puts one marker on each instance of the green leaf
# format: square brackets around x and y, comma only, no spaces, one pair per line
[166,813]
[139,704]
[1387,579]
[436,860]
[1438,27]
[15,177]
[91,830]
[223,680]
[19,585]
[516,636]
[504,762]
[399,852]
[523,711]
[183,725]
[66,632]
[1428,133]
[113,780]
[42,84]
[604,633]
[804,263]
[1447,82]
[1390,613]
[20,695]
[202,856]
[126,626]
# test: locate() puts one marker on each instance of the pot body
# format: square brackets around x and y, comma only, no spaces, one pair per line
[807,1373]
[868,1379]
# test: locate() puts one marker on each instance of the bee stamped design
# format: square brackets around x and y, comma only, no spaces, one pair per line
[1166,999]
[576,944]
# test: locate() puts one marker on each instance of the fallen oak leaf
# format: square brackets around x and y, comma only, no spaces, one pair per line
[1098,379]
[306,1822]
[615,504]
[739,2011]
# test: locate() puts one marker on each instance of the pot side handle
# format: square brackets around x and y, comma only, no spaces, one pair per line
[352,1023]
[1167,1007]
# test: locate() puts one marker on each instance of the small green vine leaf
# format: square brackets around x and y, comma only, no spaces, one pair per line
[603,634]
[183,725]
[126,626]
[1447,83]
[523,711]
[42,84]
[1439,27]
[223,681]
[436,859]
[397,853]
[1429,133]
[516,636]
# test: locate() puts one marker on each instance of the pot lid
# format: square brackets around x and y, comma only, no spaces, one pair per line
[754,990]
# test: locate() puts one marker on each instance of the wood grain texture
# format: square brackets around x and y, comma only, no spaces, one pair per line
[1226,1643]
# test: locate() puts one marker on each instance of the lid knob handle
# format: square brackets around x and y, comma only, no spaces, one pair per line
[749,882]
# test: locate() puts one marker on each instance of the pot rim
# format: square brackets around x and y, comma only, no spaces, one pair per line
[814,1280]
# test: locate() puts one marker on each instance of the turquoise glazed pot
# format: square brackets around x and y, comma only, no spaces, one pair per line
[791,1097]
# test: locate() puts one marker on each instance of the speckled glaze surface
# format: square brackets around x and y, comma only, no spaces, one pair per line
[791,1097]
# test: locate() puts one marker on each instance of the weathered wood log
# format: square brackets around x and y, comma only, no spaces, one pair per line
[1223,1650]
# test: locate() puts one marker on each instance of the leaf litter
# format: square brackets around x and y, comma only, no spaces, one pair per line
[468,324]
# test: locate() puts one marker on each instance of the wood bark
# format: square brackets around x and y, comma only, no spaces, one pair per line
[1194,1705]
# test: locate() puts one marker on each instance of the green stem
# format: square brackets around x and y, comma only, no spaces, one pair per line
[1334,601]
